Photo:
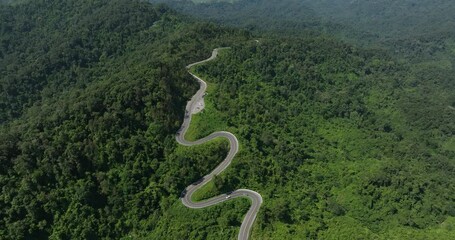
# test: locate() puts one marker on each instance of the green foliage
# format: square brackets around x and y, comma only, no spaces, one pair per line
[208,120]
[334,136]
[341,142]
[93,92]
[420,27]
[217,222]
[264,15]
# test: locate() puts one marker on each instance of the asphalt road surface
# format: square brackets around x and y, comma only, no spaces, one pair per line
[256,199]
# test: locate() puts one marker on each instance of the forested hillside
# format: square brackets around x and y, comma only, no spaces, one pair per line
[390,18]
[92,93]
[341,142]
[265,15]
[373,23]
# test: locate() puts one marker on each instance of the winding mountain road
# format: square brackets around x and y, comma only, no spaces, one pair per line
[255,197]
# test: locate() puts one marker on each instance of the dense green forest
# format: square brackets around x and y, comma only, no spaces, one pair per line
[362,140]
[373,23]
[264,15]
[388,18]
[343,141]
[339,141]
[91,95]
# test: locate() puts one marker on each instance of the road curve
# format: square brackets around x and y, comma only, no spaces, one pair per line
[256,199]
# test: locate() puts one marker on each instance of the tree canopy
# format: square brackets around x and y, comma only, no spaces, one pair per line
[342,141]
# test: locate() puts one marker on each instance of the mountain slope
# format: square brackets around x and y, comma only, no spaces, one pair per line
[92,95]
[342,142]
[339,141]
[362,21]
